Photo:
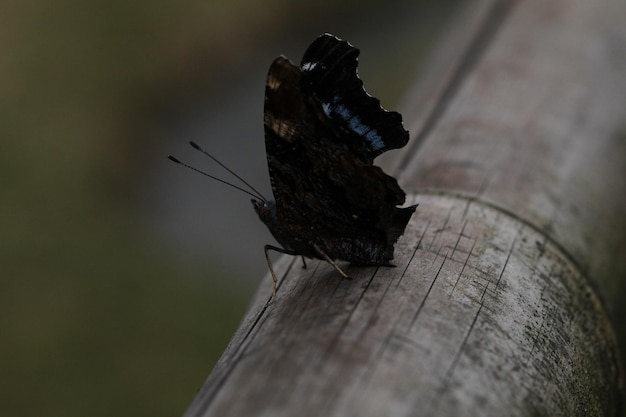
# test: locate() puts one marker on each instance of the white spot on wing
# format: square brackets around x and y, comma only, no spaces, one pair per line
[308,66]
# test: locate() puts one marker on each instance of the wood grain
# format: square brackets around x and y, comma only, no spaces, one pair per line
[506,280]
[482,311]
[539,128]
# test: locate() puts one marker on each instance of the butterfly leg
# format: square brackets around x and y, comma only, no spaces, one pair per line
[269,264]
[327,259]
[303,262]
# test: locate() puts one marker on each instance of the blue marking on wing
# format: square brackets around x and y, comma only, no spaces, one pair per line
[375,140]
[372,136]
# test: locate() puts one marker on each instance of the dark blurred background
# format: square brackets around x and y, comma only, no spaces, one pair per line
[123,275]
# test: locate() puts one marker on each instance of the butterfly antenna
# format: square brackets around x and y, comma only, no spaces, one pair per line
[197,147]
[171,158]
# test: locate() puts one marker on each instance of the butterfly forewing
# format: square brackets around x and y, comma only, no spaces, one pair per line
[330,74]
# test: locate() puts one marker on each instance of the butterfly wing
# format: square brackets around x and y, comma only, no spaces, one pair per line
[329,68]
[320,158]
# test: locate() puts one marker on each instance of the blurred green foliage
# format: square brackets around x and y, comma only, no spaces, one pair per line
[95,320]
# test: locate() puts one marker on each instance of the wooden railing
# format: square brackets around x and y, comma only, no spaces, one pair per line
[510,278]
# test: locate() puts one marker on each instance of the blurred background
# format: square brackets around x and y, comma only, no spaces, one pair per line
[123,275]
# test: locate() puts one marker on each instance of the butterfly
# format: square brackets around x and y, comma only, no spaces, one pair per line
[322,133]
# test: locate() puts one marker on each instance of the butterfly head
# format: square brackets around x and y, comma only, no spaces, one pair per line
[266,210]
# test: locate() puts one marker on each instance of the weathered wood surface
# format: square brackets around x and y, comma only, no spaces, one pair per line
[505,282]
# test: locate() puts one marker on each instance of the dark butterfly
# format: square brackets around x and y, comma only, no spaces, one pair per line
[322,133]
